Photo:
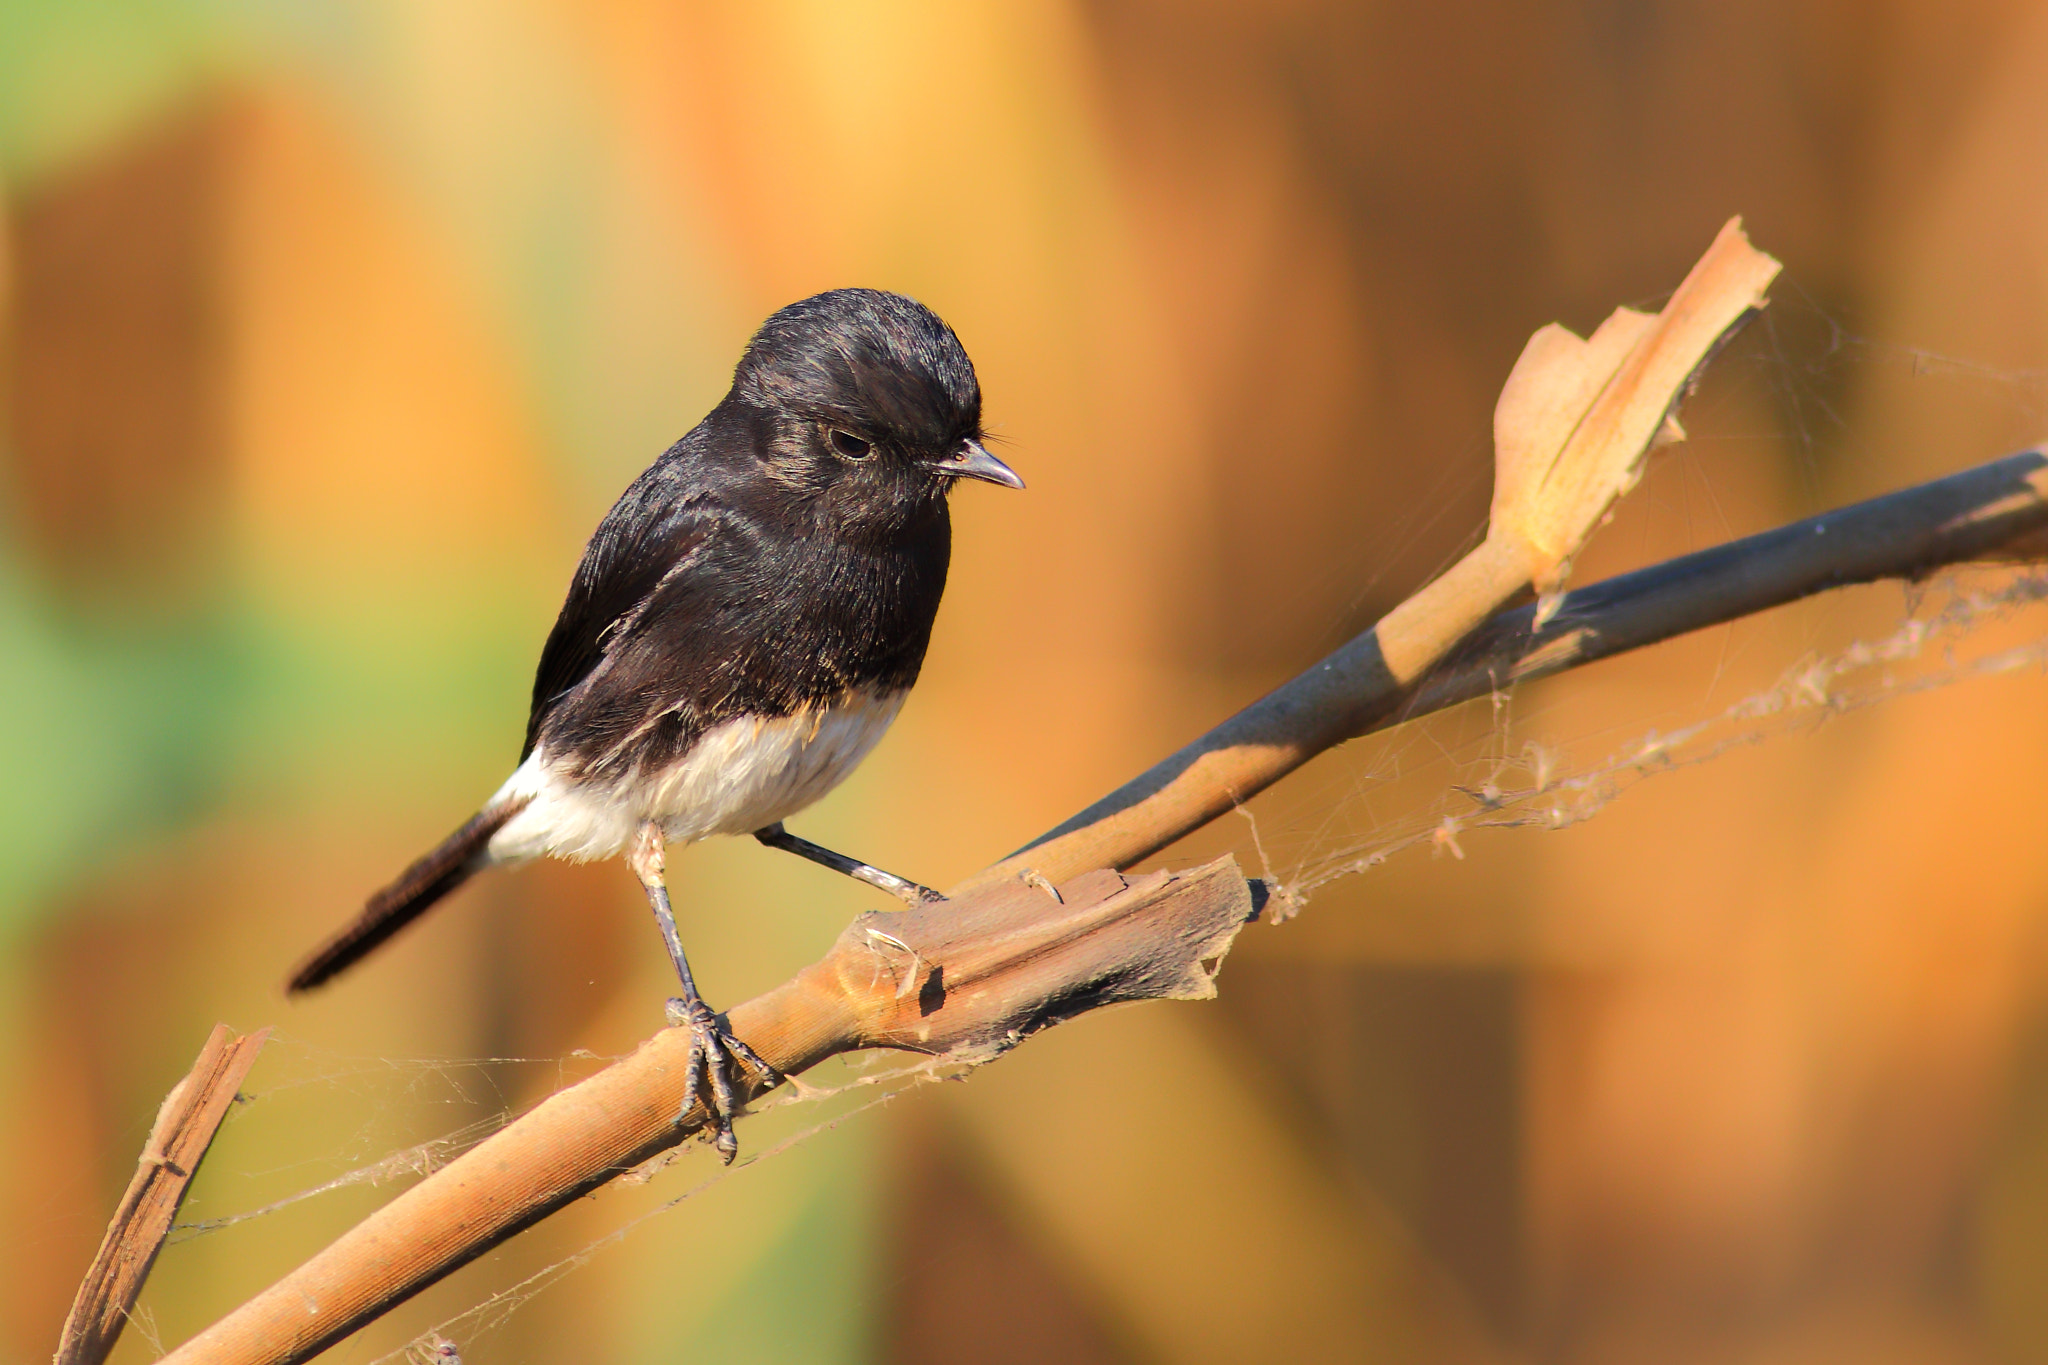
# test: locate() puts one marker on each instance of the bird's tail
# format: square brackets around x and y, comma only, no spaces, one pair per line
[459,857]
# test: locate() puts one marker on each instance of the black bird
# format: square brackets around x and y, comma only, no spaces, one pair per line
[742,629]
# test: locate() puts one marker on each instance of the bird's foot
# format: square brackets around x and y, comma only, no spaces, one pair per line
[713,1074]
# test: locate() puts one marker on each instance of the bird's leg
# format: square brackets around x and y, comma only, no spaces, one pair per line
[714,1051]
[775,836]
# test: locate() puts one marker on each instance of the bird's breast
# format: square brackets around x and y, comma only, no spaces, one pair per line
[748,772]
[742,774]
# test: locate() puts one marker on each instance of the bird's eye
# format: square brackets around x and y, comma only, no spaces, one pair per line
[850,445]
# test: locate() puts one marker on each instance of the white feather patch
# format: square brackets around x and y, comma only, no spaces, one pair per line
[740,776]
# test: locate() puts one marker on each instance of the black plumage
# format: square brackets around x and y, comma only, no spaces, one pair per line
[754,568]
[782,561]
[747,597]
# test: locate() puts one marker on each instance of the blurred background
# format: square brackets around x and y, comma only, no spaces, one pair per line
[329,330]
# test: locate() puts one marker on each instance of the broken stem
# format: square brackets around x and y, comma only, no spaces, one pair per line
[1996,511]
[964,980]
[974,976]
[185,1124]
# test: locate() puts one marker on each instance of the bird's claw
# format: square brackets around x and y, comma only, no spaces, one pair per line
[714,1055]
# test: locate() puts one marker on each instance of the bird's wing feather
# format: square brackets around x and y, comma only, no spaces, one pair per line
[637,552]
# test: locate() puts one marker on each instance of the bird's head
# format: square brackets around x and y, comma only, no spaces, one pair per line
[866,406]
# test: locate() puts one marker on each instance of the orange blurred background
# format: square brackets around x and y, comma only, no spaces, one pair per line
[330,330]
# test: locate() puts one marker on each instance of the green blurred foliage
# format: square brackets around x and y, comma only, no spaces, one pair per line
[124,735]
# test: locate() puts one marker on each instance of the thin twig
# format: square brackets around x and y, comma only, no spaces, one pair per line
[185,1124]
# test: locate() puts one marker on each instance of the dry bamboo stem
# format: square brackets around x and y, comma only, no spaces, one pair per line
[1572,429]
[1997,511]
[1570,433]
[1994,512]
[965,980]
[185,1124]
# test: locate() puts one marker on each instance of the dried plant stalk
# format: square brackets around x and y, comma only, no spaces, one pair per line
[1570,433]
[981,972]
[185,1124]
[963,980]
[1997,511]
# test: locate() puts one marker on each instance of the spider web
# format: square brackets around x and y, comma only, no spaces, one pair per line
[1780,397]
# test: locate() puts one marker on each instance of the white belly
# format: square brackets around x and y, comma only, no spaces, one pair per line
[741,776]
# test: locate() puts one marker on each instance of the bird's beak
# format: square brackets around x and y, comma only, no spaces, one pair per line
[972,461]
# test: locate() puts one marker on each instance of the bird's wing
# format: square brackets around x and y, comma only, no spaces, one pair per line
[636,552]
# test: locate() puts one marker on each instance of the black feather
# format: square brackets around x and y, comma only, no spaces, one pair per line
[753,570]
[791,549]
[452,863]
